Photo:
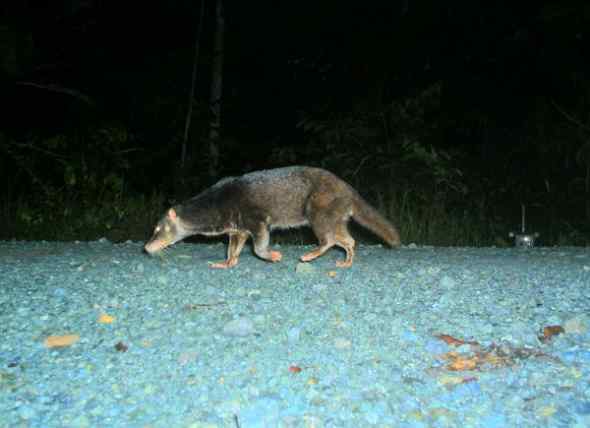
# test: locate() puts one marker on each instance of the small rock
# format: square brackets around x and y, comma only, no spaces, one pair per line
[304,268]
[239,327]
[187,358]
[576,325]
[294,334]
[436,346]
[409,336]
[259,319]
[342,343]
[447,282]
[581,407]
[255,295]
[26,412]
[318,288]
[263,412]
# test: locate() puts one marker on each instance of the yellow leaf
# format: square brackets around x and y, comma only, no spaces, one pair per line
[105,319]
[61,341]
[312,381]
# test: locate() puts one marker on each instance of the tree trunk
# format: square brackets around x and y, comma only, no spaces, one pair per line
[191,97]
[216,91]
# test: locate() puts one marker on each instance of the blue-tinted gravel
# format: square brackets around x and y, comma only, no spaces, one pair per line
[288,345]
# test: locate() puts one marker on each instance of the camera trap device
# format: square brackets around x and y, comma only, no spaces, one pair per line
[523,239]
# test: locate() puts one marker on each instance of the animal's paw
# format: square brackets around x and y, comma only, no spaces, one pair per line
[275,256]
[310,256]
[224,265]
[344,263]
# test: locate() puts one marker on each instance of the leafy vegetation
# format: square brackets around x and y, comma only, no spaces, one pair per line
[87,186]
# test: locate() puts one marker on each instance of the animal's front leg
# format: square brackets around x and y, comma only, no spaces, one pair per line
[234,248]
[261,239]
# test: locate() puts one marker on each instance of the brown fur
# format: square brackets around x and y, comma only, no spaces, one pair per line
[254,204]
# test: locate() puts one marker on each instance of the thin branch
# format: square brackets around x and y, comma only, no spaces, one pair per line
[60,158]
[60,89]
[570,117]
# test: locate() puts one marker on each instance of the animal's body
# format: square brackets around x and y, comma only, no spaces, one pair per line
[255,203]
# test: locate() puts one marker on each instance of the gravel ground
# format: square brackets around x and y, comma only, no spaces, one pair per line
[98,334]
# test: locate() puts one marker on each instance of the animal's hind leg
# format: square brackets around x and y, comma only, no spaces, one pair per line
[325,244]
[346,242]
[329,224]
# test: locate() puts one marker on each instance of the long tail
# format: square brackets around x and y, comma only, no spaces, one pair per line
[369,217]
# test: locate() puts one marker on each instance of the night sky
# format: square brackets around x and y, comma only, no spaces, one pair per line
[283,57]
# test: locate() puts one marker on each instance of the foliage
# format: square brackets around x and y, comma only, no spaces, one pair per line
[390,156]
[73,187]
[449,197]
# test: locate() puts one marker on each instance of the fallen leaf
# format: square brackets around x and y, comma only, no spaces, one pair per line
[550,331]
[295,369]
[61,341]
[463,363]
[452,381]
[106,319]
[547,411]
[450,340]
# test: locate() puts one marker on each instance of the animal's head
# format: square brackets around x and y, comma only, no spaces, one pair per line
[168,231]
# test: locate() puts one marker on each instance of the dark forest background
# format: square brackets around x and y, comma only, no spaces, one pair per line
[445,115]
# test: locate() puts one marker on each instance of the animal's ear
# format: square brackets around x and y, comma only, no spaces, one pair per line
[172,214]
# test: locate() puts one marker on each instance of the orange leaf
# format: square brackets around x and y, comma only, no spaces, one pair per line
[461,364]
[550,331]
[450,340]
[105,319]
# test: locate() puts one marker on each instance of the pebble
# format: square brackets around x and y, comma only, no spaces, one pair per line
[182,369]
[577,325]
[239,327]
[26,412]
[319,287]
[264,412]
[581,407]
[305,268]
[293,334]
[342,343]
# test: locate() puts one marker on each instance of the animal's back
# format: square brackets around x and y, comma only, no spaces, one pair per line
[283,193]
